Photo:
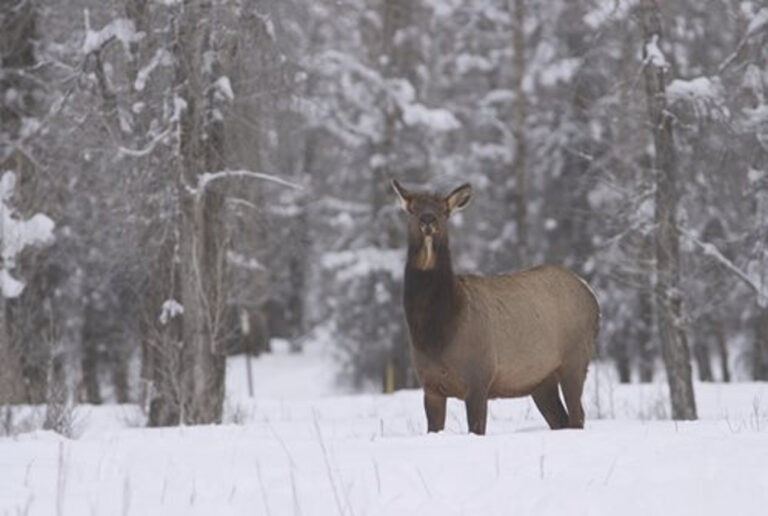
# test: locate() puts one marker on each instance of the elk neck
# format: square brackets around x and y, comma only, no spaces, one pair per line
[432,298]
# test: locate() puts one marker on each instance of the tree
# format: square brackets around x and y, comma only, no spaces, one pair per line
[669,297]
[519,164]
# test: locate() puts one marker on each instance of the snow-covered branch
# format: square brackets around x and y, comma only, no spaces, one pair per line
[653,54]
[207,178]
[121,29]
[712,251]
[16,234]
[138,153]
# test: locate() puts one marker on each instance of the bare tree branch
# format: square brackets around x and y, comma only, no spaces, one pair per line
[207,178]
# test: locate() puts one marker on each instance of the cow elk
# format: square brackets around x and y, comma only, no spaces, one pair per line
[477,338]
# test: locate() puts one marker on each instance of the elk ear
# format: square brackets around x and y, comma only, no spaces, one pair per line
[459,198]
[402,194]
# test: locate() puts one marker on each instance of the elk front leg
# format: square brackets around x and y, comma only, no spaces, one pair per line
[477,412]
[434,405]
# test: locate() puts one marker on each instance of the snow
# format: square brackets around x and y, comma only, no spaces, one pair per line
[608,10]
[492,152]
[561,71]
[245,262]
[435,119]
[16,234]
[698,89]
[752,278]
[466,63]
[208,177]
[300,447]
[499,96]
[399,91]
[755,176]
[161,57]
[282,376]
[758,22]
[550,224]
[10,287]
[170,309]
[223,88]
[654,55]
[146,150]
[360,262]
[179,105]
[443,8]
[121,29]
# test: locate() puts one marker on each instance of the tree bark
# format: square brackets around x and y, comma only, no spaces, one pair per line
[703,360]
[64,339]
[645,341]
[161,342]
[621,356]
[722,352]
[760,347]
[397,59]
[93,336]
[519,165]
[202,231]
[669,298]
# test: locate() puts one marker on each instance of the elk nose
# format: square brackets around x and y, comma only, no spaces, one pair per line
[427,223]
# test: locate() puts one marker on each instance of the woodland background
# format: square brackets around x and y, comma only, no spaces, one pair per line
[182,179]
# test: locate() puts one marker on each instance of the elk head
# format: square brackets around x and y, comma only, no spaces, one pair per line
[428,221]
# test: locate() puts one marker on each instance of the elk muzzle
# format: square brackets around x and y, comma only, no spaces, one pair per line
[428,224]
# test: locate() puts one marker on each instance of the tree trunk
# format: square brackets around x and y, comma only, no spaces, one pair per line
[63,373]
[519,165]
[641,334]
[703,360]
[645,329]
[91,337]
[202,231]
[621,357]
[669,299]
[760,348]
[120,379]
[722,353]
[397,59]
[161,347]
[17,101]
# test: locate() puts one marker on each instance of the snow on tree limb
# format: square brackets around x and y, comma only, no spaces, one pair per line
[758,23]
[138,153]
[16,234]
[653,54]
[161,57]
[702,89]
[10,286]
[170,309]
[121,29]
[209,177]
[712,251]
[397,90]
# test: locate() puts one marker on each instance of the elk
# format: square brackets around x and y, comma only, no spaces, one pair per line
[476,338]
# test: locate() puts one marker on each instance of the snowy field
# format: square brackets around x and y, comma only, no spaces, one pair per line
[301,448]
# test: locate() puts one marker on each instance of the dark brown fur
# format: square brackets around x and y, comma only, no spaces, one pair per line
[476,338]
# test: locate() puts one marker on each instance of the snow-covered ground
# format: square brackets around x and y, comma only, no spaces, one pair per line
[300,448]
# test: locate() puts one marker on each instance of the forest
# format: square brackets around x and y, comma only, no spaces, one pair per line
[187,179]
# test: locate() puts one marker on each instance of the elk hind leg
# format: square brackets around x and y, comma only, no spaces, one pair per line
[548,402]
[572,382]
